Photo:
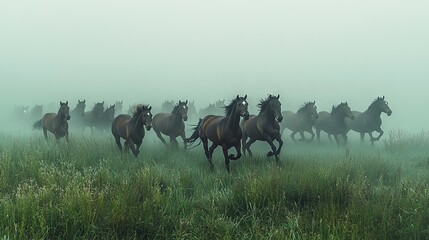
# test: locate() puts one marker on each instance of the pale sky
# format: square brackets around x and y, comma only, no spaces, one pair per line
[329,51]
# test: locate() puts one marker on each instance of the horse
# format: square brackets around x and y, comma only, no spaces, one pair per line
[264,126]
[131,128]
[370,120]
[172,124]
[55,123]
[106,118]
[301,121]
[334,123]
[77,112]
[222,131]
[92,118]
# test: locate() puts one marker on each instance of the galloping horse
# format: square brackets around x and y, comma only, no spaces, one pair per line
[92,118]
[55,123]
[222,130]
[106,118]
[264,126]
[77,113]
[301,121]
[370,120]
[172,124]
[334,123]
[131,128]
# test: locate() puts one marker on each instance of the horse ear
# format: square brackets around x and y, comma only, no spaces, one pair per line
[245,97]
[278,96]
[61,103]
[67,102]
[186,102]
[84,101]
[383,97]
[150,108]
[237,97]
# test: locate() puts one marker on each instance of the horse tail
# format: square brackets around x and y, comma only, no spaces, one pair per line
[38,124]
[195,135]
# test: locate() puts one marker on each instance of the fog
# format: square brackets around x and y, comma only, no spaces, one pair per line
[151,51]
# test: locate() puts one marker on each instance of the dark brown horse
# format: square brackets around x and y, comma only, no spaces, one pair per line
[131,128]
[55,123]
[334,123]
[301,121]
[370,120]
[172,124]
[77,113]
[92,118]
[106,118]
[264,126]
[222,131]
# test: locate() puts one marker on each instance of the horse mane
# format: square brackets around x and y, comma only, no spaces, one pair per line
[228,108]
[375,102]
[139,109]
[336,108]
[263,103]
[304,107]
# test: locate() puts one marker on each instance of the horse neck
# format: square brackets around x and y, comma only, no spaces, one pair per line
[269,115]
[136,123]
[376,112]
[233,120]
[175,117]
[339,118]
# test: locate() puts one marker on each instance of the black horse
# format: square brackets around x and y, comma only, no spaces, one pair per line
[55,123]
[172,124]
[301,121]
[264,126]
[334,123]
[131,128]
[222,131]
[370,120]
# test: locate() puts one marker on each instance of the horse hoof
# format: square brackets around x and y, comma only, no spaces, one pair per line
[270,153]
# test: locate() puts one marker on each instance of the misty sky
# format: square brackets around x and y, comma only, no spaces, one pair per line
[328,51]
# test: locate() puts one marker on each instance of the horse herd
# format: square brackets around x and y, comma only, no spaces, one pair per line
[236,128]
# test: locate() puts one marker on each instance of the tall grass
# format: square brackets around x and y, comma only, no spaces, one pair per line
[87,189]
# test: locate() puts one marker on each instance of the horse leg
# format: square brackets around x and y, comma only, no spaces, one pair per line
[372,138]
[380,133]
[302,136]
[126,146]
[248,144]
[238,149]
[344,135]
[210,153]
[158,133]
[243,143]
[318,134]
[174,143]
[45,133]
[67,136]
[280,141]
[118,141]
[183,136]
[225,154]
[273,147]
[312,135]
[292,135]
[133,148]
[206,147]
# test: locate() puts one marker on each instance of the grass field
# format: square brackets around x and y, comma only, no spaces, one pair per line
[87,189]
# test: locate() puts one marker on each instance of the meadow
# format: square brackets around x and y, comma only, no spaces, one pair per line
[88,189]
